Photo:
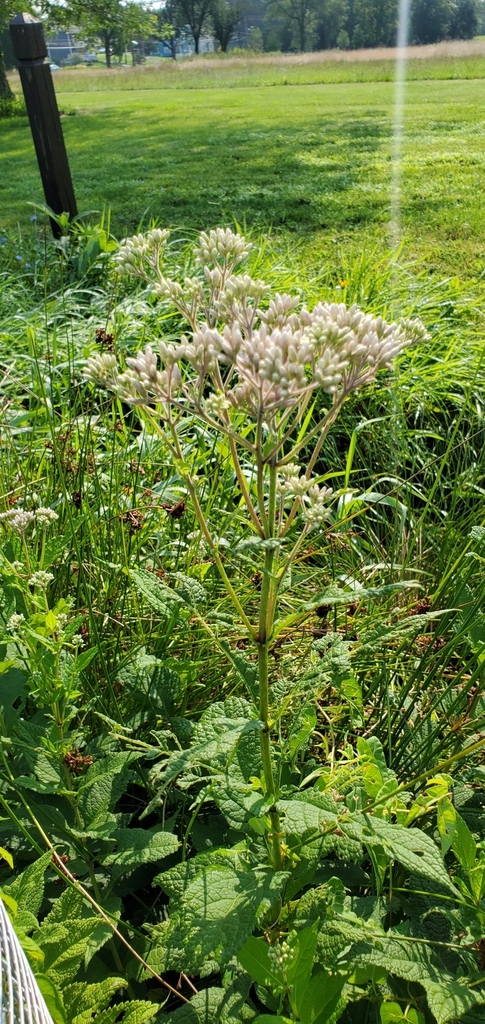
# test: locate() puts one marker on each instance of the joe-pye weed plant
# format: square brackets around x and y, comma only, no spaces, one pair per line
[260,382]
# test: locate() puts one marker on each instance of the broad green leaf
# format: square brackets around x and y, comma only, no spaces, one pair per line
[393,1013]
[254,958]
[301,817]
[449,999]
[190,590]
[300,969]
[322,1002]
[214,751]
[28,888]
[175,881]
[204,1008]
[411,847]
[63,958]
[463,844]
[159,596]
[104,783]
[218,911]
[52,998]
[137,1011]
[82,1000]
[68,905]
[140,846]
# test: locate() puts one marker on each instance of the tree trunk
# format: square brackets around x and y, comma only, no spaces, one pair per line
[173,47]
[107,49]
[5,90]
[196,42]
[302,36]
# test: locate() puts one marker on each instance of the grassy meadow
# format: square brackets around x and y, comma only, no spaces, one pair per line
[242,719]
[301,147]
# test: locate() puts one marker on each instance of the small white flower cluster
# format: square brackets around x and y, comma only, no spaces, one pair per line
[14,623]
[41,579]
[260,361]
[317,512]
[221,243]
[45,516]
[216,405]
[279,955]
[135,250]
[19,519]
[292,483]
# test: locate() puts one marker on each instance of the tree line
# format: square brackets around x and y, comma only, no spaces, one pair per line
[271,25]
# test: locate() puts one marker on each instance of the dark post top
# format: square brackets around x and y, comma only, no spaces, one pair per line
[28,38]
[40,99]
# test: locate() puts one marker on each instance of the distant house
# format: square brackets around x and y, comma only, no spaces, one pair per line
[62,45]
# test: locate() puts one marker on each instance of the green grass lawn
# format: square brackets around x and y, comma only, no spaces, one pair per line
[312,158]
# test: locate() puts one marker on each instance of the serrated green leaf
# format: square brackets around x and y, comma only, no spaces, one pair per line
[411,847]
[224,735]
[28,888]
[63,958]
[190,590]
[246,669]
[69,904]
[137,846]
[82,1000]
[138,1011]
[202,1009]
[335,595]
[175,881]
[103,784]
[301,817]
[449,1000]
[218,911]
[159,596]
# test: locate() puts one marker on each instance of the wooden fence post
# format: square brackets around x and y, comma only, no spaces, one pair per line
[40,99]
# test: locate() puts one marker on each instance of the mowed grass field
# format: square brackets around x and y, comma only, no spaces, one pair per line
[193,148]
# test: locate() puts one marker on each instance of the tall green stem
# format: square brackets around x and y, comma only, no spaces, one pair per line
[265,631]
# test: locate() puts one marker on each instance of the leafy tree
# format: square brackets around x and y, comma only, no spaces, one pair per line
[169,25]
[8,10]
[464,23]
[255,40]
[300,17]
[430,20]
[377,22]
[331,21]
[224,17]
[111,21]
[195,14]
